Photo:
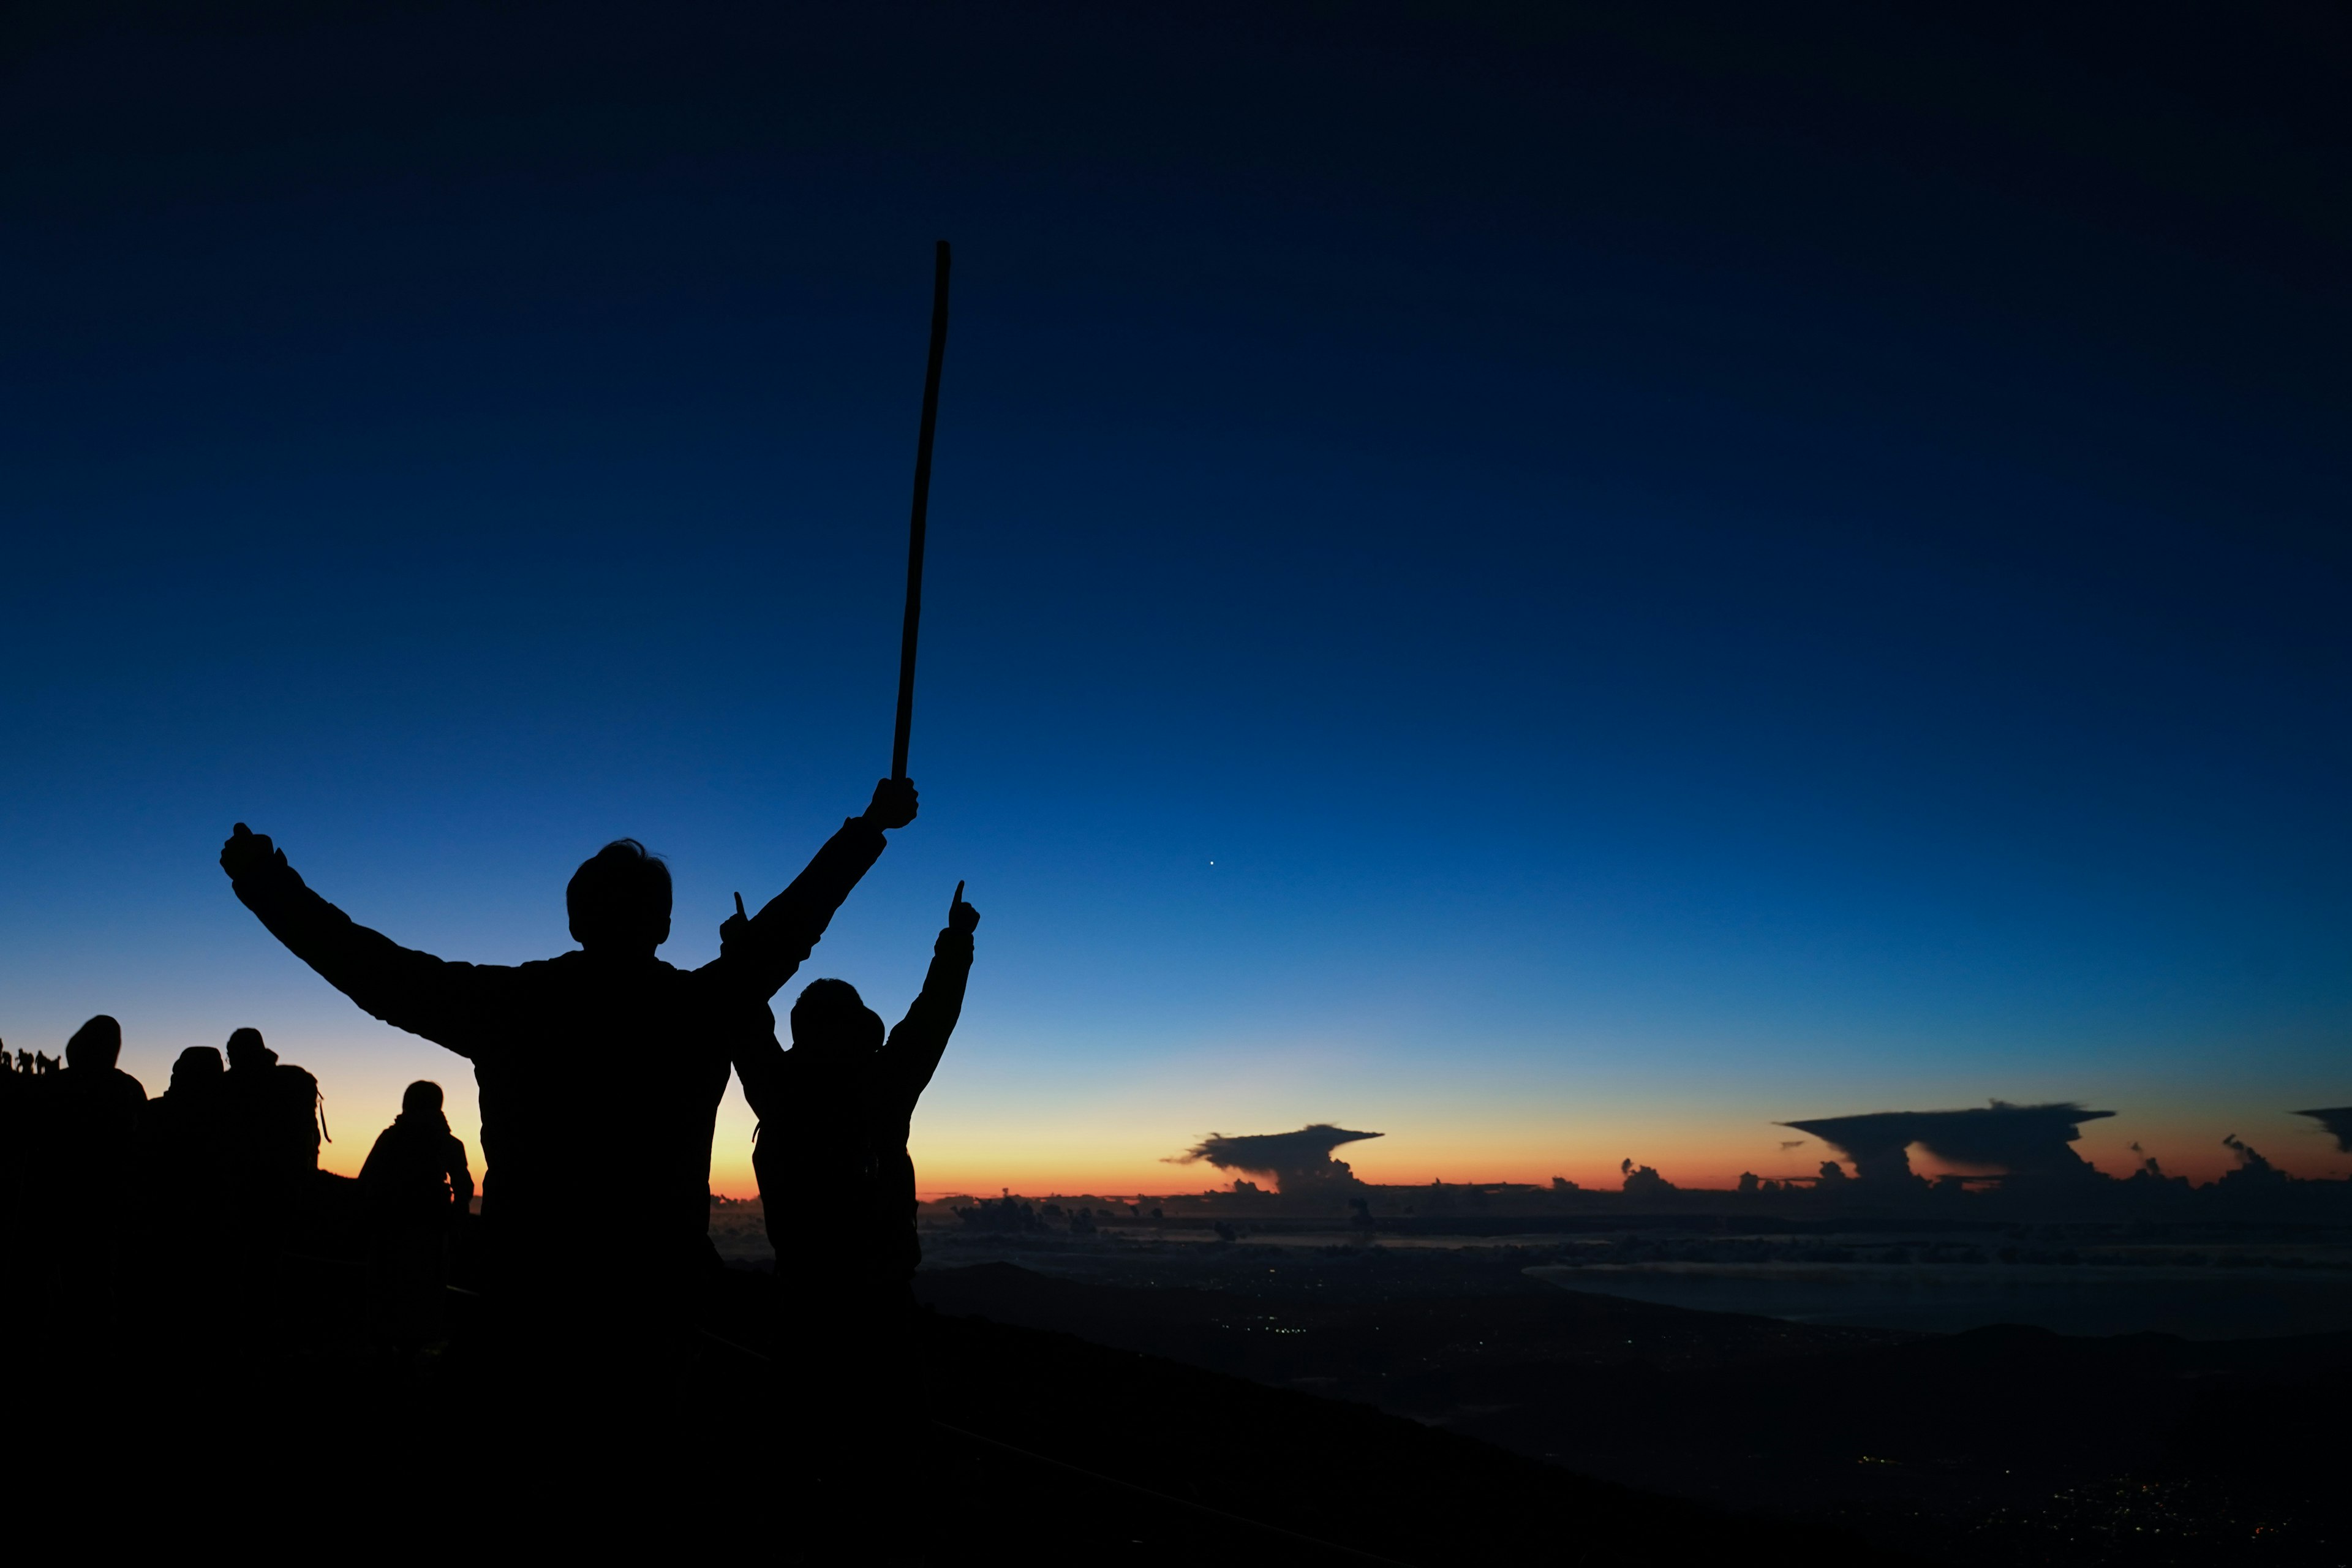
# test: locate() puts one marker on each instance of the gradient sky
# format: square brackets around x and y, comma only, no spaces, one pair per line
[1562,586]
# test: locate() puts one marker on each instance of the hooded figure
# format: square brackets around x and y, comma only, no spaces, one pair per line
[418,1189]
[276,1108]
[273,1119]
[833,1117]
[86,1145]
[187,1182]
[93,1115]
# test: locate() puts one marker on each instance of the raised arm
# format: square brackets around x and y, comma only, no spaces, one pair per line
[759,1059]
[761,954]
[912,1053]
[426,995]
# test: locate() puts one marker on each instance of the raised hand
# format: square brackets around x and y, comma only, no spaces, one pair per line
[962,919]
[246,852]
[893,804]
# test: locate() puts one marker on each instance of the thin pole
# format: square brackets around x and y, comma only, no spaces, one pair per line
[922,504]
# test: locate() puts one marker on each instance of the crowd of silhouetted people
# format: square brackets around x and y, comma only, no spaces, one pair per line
[181,1204]
[599,1074]
[589,1270]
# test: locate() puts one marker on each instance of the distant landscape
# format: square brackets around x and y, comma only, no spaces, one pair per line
[2033,1366]
[1971,1390]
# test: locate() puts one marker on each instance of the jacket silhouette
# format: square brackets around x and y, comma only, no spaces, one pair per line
[831,1161]
[600,1072]
[85,1152]
[187,1157]
[92,1113]
[835,1112]
[273,1127]
[417,1188]
[189,1194]
[275,1108]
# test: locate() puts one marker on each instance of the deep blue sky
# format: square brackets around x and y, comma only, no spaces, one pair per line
[1683,572]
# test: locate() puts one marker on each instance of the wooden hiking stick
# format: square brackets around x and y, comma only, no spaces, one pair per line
[922,502]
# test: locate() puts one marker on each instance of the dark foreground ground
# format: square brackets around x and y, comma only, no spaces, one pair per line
[1228,1404]
[2004,1444]
[290,1436]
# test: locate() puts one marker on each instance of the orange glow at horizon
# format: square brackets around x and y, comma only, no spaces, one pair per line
[960,1146]
[1698,1167]
[1036,1169]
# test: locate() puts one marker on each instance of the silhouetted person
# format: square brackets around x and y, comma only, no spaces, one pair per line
[417,1188]
[98,1102]
[87,1141]
[186,1142]
[17,1119]
[600,1072]
[188,1189]
[273,1110]
[834,1118]
[15,1122]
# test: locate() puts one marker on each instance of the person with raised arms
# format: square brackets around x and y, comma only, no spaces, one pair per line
[600,1070]
[838,1187]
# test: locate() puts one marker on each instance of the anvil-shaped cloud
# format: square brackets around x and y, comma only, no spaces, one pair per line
[2337,1119]
[1298,1161]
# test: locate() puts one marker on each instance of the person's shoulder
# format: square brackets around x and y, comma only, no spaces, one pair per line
[576,962]
[536,977]
[721,987]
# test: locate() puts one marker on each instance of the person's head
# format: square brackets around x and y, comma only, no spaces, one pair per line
[831,1017]
[421,1098]
[196,1070]
[96,1046]
[619,900]
[247,1054]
